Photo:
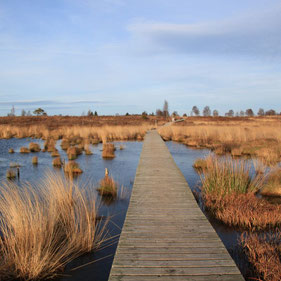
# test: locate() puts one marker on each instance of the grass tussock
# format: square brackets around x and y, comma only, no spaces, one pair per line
[11,150]
[228,191]
[108,150]
[200,164]
[45,227]
[108,187]
[273,183]
[264,252]
[34,147]
[24,150]
[72,168]
[35,160]
[57,162]
[10,174]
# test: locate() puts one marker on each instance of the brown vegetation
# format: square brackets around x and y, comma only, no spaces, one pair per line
[44,228]
[72,168]
[35,160]
[108,187]
[24,150]
[229,191]
[256,136]
[57,162]
[11,174]
[264,252]
[108,150]
[11,150]
[34,147]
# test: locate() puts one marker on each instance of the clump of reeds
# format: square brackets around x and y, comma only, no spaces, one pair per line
[50,145]
[35,160]
[72,168]
[11,174]
[121,147]
[57,162]
[11,150]
[65,144]
[228,191]
[45,227]
[108,150]
[264,253]
[73,152]
[34,147]
[87,149]
[107,187]
[24,150]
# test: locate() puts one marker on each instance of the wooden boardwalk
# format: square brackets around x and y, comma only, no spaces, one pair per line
[165,235]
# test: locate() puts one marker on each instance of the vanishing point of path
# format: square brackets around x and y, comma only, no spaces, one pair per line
[165,235]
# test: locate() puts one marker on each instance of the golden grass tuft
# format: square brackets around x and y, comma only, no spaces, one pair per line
[108,187]
[72,168]
[24,150]
[35,160]
[55,153]
[200,164]
[273,183]
[34,147]
[11,150]
[57,162]
[45,227]
[65,144]
[108,150]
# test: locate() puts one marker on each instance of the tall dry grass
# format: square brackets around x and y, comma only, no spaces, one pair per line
[253,137]
[45,227]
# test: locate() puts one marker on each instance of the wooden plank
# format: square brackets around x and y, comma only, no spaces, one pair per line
[165,235]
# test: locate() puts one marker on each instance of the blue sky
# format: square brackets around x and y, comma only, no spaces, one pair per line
[118,56]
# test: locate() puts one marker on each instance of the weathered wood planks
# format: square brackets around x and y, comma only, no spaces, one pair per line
[165,235]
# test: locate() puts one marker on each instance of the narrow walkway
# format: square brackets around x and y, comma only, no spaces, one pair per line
[165,234]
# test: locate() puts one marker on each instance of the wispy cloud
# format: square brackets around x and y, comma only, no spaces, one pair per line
[257,34]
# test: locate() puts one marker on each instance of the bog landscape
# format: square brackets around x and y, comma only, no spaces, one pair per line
[66,184]
[140,140]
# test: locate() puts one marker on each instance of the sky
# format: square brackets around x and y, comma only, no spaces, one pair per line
[118,56]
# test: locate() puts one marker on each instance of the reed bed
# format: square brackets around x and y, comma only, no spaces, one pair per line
[108,150]
[45,227]
[255,137]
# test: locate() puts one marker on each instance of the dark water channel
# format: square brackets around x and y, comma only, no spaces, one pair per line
[122,168]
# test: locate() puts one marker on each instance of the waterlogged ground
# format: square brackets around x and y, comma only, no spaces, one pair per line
[96,266]
[122,168]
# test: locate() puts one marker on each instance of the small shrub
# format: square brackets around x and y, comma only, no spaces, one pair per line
[108,150]
[34,147]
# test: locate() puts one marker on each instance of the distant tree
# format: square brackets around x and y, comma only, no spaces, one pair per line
[261,112]
[206,111]
[230,113]
[159,112]
[195,110]
[39,111]
[270,112]
[184,115]
[127,114]
[151,114]
[96,113]
[236,114]
[90,113]
[175,113]
[12,112]
[23,113]
[166,109]
[28,113]
[249,112]
[215,113]
[144,115]
[242,113]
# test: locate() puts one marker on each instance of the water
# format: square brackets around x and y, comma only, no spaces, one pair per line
[122,168]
